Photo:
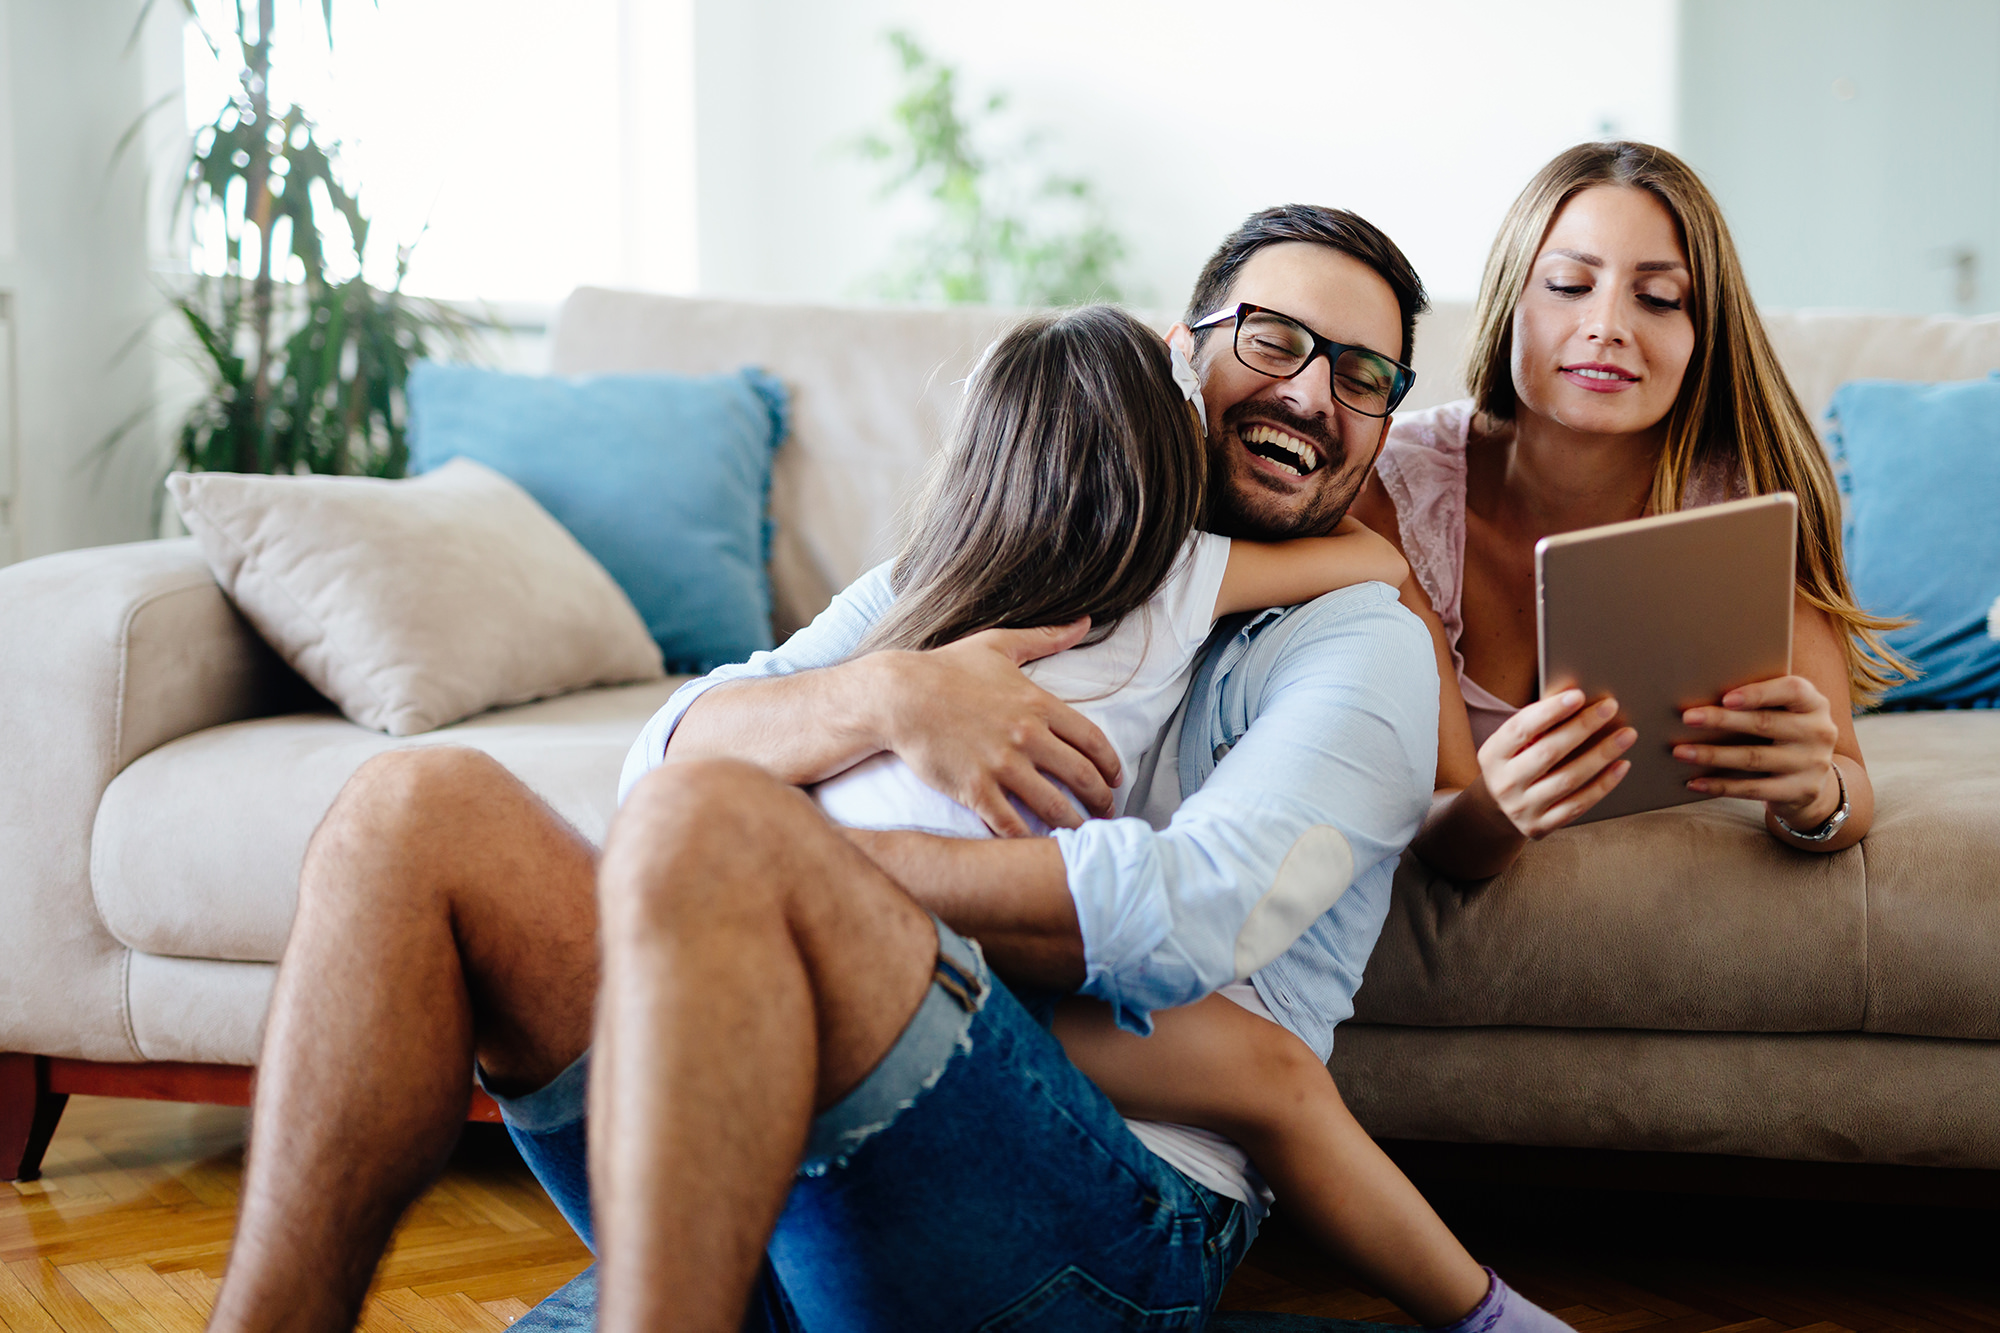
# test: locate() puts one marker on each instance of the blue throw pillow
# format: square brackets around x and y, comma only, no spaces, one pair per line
[664,478]
[1922,482]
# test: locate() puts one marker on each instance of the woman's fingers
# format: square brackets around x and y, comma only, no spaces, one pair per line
[1793,789]
[1771,700]
[1780,728]
[1790,692]
[1568,791]
[1519,731]
[1588,795]
[1789,713]
[1556,744]
[1741,758]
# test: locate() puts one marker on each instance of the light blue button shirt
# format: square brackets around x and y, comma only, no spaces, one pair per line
[1304,759]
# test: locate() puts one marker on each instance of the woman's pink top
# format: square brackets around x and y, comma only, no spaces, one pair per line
[1423,468]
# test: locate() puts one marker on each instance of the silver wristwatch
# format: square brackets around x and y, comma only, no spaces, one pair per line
[1833,822]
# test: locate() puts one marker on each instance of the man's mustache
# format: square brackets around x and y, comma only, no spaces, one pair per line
[1331,449]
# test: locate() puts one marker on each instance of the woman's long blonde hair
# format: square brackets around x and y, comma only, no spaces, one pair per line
[1735,396]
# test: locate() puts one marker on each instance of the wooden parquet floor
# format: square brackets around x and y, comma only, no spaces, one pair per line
[129,1227]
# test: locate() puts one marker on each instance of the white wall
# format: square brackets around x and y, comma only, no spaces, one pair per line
[1854,146]
[74,242]
[1425,116]
[524,147]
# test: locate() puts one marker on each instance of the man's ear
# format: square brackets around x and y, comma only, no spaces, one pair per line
[1181,338]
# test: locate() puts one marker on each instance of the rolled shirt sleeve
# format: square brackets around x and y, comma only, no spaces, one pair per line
[1319,794]
[831,639]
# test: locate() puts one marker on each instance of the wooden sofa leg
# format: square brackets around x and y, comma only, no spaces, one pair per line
[28,1115]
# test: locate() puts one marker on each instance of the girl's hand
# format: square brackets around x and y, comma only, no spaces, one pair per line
[1533,772]
[1792,772]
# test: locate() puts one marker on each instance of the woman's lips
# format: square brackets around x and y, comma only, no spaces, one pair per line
[1598,378]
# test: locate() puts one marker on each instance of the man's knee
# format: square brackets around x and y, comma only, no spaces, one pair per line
[716,804]
[420,784]
[702,831]
[405,802]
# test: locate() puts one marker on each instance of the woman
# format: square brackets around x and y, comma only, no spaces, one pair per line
[1618,368]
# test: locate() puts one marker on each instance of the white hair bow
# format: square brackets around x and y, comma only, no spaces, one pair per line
[1190,382]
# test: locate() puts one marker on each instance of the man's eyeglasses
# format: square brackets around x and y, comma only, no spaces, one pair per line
[1281,347]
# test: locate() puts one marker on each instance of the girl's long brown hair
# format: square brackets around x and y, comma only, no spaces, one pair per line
[1073,475]
[1735,402]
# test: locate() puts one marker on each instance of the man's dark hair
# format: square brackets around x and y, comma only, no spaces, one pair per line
[1335,227]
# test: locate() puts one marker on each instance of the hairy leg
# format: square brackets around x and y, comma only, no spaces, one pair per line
[1216,1065]
[756,968]
[444,911]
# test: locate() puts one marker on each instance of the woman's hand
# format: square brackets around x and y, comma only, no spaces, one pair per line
[1791,771]
[1532,768]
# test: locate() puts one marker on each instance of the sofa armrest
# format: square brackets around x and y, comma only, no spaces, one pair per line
[104,654]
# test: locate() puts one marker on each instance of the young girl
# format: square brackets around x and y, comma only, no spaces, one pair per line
[1072,486]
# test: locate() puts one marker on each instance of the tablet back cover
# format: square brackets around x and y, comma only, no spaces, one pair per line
[1666,613]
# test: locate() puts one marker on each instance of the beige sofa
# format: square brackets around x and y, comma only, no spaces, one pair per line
[1672,981]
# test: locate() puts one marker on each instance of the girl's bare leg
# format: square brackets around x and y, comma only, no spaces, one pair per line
[1217,1065]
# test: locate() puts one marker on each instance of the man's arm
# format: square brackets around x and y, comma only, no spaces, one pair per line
[963,716]
[1011,894]
[1330,781]
[1328,784]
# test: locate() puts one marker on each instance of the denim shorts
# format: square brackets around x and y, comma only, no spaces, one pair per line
[975,1180]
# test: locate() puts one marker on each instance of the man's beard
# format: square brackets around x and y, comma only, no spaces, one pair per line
[1234,511]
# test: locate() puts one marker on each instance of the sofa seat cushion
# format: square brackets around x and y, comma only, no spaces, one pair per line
[197,846]
[1934,874]
[1693,919]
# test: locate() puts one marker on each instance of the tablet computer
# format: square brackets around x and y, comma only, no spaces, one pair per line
[1663,614]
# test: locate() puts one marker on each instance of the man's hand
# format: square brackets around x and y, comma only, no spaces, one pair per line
[968,723]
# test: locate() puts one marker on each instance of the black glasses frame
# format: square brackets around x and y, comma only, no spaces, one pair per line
[1331,350]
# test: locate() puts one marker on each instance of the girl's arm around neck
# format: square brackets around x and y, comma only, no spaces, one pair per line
[1262,574]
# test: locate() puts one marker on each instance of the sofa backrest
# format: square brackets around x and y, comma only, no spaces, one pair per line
[874,388]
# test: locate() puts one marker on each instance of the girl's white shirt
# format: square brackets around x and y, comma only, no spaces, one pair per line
[1128,683]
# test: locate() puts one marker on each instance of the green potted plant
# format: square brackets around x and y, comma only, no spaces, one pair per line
[304,369]
[1002,229]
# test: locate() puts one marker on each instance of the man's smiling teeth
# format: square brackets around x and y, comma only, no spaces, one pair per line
[1287,451]
[1599,374]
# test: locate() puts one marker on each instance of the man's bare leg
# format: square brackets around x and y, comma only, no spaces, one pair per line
[756,968]
[443,911]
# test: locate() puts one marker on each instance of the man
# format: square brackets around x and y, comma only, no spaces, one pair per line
[806,1089]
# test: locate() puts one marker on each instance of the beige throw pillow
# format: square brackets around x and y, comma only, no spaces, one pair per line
[415,603]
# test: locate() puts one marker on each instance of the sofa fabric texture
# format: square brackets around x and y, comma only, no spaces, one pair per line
[1668,981]
[412,604]
[184,833]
